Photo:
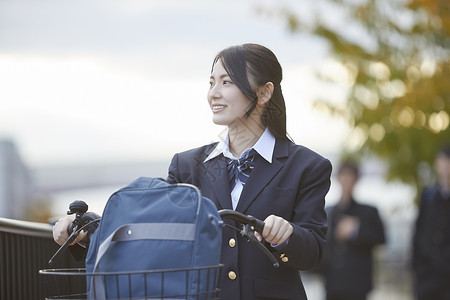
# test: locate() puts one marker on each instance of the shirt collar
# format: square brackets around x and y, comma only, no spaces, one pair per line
[264,146]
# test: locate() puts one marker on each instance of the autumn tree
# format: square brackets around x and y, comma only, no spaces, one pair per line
[396,55]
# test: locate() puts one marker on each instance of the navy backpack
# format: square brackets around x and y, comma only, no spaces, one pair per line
[148,230]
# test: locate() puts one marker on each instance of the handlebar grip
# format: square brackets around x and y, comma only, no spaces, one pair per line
[70,228]
[240,217]
[79,208]
[257,223]
[83,220]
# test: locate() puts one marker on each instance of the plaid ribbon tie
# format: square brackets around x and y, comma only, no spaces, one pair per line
[241,168]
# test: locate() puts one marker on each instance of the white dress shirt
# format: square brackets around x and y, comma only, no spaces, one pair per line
[264,146]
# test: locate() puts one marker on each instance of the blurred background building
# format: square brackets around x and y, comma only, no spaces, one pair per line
[16,184]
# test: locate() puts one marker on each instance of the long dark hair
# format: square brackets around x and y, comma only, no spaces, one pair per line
[259,65]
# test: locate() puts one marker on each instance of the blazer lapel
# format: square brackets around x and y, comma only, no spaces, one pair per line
[217,175]
[261,175]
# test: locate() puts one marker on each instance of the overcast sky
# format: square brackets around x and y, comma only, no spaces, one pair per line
[105,81]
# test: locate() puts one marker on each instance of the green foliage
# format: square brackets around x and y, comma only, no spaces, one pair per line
[399,98]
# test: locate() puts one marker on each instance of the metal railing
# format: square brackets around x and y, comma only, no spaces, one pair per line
[25,248]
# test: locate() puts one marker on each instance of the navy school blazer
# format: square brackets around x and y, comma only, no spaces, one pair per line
[293,186]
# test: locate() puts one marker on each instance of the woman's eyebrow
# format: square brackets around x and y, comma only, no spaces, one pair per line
[221,76]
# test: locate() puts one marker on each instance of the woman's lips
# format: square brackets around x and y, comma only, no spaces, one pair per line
[217,108]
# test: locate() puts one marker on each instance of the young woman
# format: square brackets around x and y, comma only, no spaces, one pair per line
[258,171]
[283,184]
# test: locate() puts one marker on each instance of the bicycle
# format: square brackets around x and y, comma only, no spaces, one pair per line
[154,281]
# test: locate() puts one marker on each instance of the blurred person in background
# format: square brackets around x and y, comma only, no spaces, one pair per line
[354,230]
[431,241]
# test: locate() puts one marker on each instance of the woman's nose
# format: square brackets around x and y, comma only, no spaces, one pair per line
[214,92]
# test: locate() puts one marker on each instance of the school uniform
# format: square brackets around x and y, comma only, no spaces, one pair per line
[431,245]
[289,181]
[348,265]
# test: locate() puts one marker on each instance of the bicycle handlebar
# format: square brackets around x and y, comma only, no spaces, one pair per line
[240,217]
[84,220]
[250,224]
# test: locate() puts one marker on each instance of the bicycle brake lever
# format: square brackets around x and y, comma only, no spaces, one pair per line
[248,232]
[71,238]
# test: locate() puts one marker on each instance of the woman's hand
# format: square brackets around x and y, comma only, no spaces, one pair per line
[60,234]
[276,230]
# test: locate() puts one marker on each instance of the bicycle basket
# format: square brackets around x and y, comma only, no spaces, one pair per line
[154,284]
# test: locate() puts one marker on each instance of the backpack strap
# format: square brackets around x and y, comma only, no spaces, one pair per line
[138,231]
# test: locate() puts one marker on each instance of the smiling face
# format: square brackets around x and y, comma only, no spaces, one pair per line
[226,100]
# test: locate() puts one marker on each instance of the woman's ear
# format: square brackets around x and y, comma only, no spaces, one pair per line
[265,93]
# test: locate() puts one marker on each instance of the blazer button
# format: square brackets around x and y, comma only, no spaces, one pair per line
[232,242]
[285,259]
[232,275]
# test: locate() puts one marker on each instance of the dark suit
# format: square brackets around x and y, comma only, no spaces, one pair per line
[293,186]
[431,246]
[348,265]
